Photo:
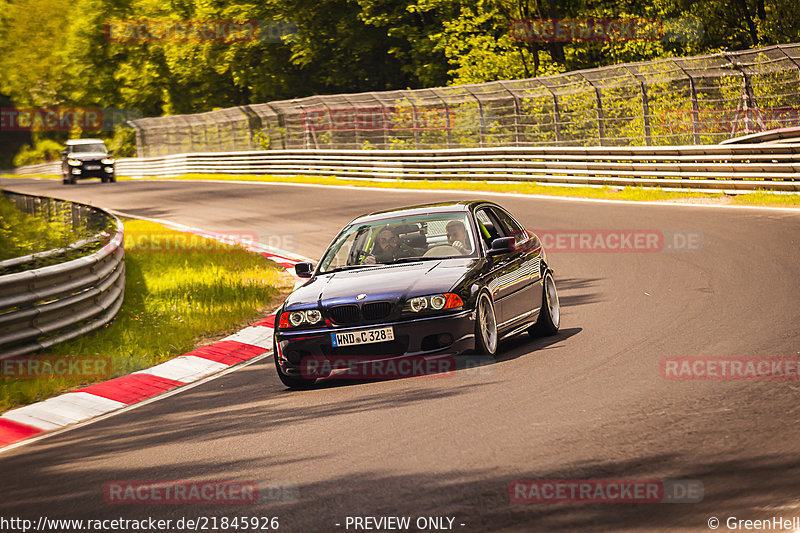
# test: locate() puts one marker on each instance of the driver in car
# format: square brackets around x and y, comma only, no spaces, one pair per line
[457,236]
[388,248]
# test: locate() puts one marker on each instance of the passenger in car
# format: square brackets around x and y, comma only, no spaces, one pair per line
[457,237]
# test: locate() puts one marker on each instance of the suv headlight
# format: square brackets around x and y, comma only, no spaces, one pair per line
[107,161]
[74,162]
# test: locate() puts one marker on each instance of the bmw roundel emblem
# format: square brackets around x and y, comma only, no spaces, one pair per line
[361,296]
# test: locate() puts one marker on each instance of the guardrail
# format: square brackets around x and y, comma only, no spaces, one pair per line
[52,304]
[731,167]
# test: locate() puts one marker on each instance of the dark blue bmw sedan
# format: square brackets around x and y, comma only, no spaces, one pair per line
[417,282]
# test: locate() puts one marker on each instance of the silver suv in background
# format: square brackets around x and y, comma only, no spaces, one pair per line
[86,158]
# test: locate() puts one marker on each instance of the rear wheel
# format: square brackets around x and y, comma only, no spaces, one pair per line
[485,326]
[550,314]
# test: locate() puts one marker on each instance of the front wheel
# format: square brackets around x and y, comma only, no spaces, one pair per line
[550,313]
[485,326]
[293,382]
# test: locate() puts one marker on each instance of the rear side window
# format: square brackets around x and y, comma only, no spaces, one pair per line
[486,227]
[509,225]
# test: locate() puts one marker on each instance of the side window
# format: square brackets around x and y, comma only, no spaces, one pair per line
[509,226]
[486,226]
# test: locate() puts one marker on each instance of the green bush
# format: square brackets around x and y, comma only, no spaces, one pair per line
[42,151]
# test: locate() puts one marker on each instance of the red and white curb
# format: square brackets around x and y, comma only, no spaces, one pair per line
[103,398]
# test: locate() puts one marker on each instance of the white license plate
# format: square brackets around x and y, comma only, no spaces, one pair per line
[365,336]
[92,167]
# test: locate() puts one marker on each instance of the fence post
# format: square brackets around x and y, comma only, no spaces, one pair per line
[556,112]
[254,124]
[695,107]
[140,146]
[517,111]
[355,120]
[480,111]
[601,130]
[645,106]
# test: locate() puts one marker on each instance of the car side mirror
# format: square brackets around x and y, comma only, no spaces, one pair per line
[63,153]
[110,152]
[303,270]
[503,245]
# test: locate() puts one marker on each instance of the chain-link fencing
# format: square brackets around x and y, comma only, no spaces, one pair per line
[680,101]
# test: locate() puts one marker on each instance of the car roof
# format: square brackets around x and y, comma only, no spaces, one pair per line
[424,209]
[73,142]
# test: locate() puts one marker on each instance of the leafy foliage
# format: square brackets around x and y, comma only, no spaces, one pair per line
[59,52]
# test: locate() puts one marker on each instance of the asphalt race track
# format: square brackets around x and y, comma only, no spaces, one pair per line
[589,403]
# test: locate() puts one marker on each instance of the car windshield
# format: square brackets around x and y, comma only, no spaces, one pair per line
[84,148]
[400,240]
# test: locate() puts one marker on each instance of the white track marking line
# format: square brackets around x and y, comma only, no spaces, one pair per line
[186,368]
[40,416]
[260,336]
[131,407]
[71,407]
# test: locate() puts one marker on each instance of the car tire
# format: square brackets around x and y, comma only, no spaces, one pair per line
[293,382]
[550,314]
[112,179]
[103,179]
[486,338]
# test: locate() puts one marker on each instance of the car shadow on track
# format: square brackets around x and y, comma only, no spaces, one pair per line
[585,293]
[467,365]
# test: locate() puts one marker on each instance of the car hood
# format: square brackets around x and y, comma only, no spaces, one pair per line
[390,282]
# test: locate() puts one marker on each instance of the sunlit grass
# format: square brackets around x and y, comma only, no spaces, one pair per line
[174,301]
[634,194]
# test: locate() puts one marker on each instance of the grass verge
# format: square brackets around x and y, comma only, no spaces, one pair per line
[632,194]
[24,234]
[176,298]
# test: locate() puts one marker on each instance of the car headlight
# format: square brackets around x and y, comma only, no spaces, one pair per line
[418,304]
[313,316]
[435,302]
[74,162]
[294,319]
[107,161]
[438,301]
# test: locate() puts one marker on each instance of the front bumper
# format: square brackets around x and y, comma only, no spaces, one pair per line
[414,337]
[81,172]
